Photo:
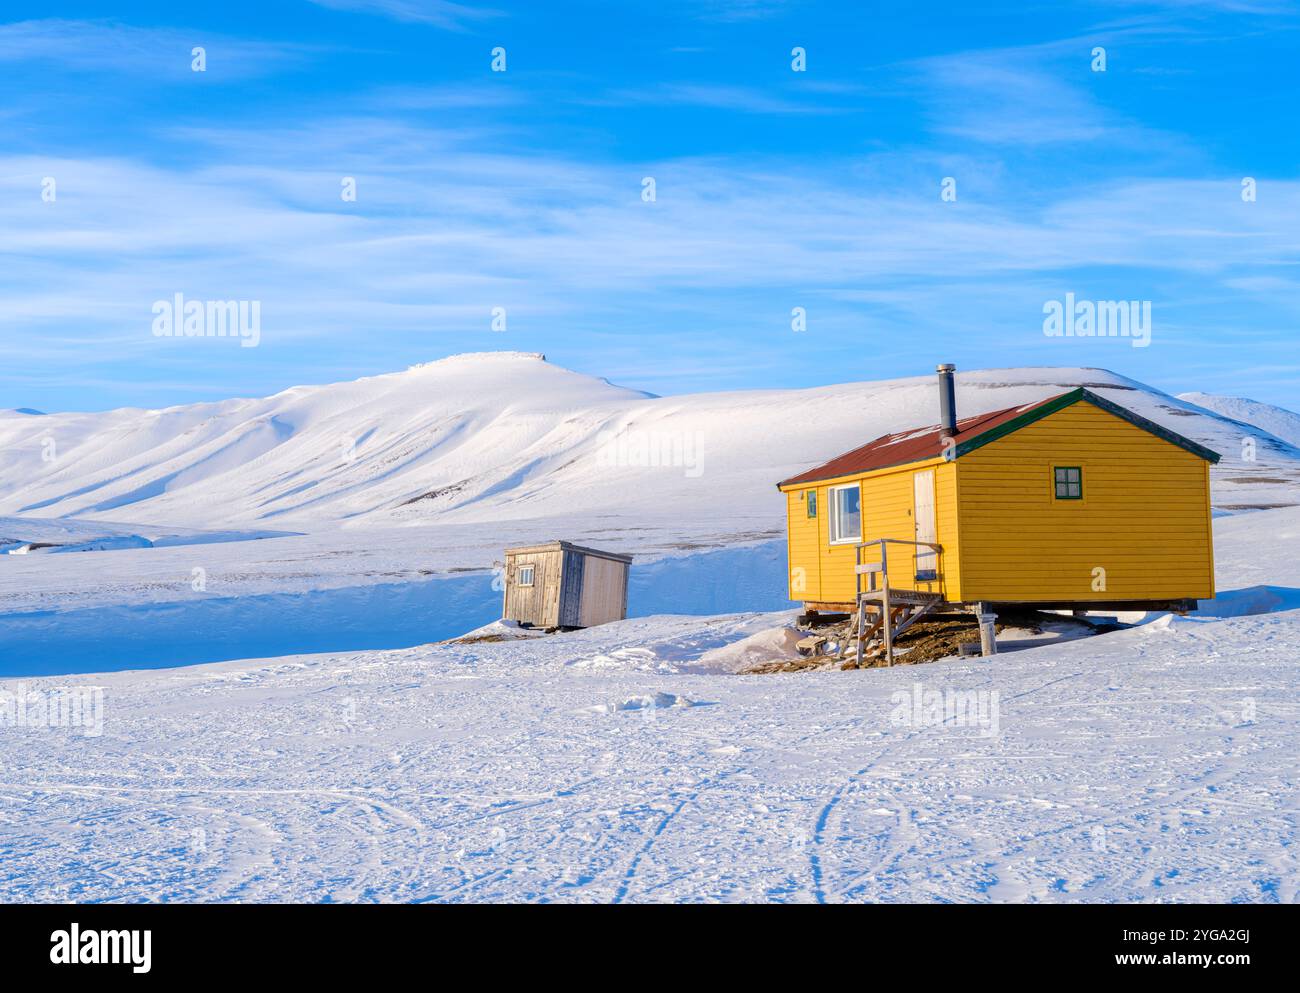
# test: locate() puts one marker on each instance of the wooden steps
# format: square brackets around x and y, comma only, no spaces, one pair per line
[896,611]
[898,608]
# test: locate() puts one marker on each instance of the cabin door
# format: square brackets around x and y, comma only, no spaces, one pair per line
[927,561]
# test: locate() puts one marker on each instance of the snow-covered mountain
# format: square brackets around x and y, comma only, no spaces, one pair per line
[507,435]
[1277,421]
[369,514]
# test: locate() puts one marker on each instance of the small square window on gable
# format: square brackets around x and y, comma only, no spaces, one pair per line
[812,503]
[526,575]
[1068,482]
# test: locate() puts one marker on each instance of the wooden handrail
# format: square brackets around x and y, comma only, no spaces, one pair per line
[884,557]
[901,541]
[885,618]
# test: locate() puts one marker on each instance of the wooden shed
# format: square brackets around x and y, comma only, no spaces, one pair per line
[1073,502]
[562,585]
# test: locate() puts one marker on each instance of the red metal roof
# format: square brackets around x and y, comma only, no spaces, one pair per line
[911,446]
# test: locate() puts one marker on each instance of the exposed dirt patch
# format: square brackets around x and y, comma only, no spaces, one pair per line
[435,494]
[937,637]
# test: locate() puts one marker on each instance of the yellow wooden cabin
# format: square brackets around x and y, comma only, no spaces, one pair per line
[1073,502]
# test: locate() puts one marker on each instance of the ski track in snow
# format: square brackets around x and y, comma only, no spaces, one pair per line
[482,772]
[1157,763]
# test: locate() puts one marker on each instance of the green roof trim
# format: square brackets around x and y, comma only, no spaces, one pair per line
[1016,423]
[975,439]
[1071,398]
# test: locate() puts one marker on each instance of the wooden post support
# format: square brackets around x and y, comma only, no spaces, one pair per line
[988,634]
[886,619]
[888,622]
[858,623]
[857,596]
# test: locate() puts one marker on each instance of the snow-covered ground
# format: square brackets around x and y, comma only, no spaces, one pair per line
[371,514]
[339,590]
[625,763]
[1157,763]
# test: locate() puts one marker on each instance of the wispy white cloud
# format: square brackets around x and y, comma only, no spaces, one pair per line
[450,96]
[742,99]
[438,13]
[994,98]
[452,221]
[442,231]
[1263,7]
[99,46]
[1036,95]
[739,10]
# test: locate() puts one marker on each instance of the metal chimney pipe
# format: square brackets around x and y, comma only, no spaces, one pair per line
[947,399]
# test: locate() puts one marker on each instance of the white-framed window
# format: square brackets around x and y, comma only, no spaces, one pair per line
[526,575]
[845,513]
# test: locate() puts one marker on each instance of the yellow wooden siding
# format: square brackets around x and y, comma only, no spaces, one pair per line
[1209,529]
[887,512]
[948,528]
[889,502]
[1143,518]
[804,573]
[838,560]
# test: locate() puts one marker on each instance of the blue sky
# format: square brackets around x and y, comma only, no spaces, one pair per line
[522,190]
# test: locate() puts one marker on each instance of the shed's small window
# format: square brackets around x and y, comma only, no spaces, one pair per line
[1069,482]
[526,575]
[846,513]
[812,503]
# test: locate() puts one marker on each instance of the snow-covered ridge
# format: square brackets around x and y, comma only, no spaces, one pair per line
[479,357]
[1277,421]
[509,436]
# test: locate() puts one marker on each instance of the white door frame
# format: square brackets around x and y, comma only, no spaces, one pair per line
[925,521]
